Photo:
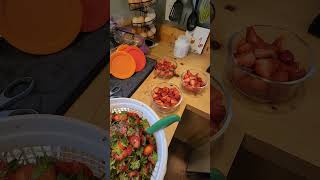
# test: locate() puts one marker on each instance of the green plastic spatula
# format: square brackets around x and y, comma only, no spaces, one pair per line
[163,123]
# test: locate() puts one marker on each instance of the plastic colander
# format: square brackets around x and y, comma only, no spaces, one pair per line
[29,136]
[131,105]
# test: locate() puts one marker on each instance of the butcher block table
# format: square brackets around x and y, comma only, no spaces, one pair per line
[198,104]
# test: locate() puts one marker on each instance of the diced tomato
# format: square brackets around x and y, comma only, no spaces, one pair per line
[138,121]
[120,157]
[116,117]
[129,150]
[151,160]
[123,168]
[135,141]
[123,130]
[133,174]
[120,145]
[148,150]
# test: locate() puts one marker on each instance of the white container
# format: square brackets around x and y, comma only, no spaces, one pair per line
[181,47]
[127,104]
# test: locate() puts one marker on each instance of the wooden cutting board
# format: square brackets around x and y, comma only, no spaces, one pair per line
[40,27]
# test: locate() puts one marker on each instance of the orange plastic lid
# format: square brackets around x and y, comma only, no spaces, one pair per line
[138,56]
[40,27]
[122,65]
[122,47]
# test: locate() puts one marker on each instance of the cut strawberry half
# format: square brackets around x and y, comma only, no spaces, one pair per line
[281,76]
[244,48]
[253,38]
[264,68]
[286,57]
[246,60]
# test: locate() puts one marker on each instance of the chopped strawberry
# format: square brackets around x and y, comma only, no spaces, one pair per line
[120,157]
[148,150]
[241,42]
[116,117]
[265,53]
[282,76]
[246,60]
[134,141]
[277,44]
[286,57]
[133,174]
[156,89]
[245,48]
[253,38]
[129,150]
[297,74]
[165,68]
[264,68]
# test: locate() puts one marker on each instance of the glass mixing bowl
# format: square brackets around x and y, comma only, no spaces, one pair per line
[262,89]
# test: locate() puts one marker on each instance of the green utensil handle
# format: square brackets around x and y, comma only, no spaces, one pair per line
[216,175]
[163,123]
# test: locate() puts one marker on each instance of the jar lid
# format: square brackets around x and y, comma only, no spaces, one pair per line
[182,39]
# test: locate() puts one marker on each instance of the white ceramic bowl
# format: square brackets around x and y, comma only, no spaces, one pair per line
[132,105]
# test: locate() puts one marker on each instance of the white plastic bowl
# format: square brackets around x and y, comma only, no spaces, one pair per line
[131,105]
[31,136]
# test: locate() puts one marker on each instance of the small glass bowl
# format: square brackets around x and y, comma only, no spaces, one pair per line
[262,89]
[172,72]
[166,109]
[227,101]
[201,74]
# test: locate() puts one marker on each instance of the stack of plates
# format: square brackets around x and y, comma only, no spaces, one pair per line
[126,61]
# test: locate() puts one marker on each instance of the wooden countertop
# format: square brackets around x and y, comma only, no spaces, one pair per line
[291,127]
[92,105]
[199,104]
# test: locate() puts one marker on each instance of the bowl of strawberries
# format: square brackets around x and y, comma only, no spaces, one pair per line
[166,68]
[194,80]
[220,109]
[166,97]
[268,63]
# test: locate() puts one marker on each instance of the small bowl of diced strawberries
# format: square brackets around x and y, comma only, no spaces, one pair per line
[268,63]
[194,80]
[166,97]
[166,68]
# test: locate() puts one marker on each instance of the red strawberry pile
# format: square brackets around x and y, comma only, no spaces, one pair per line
[270,61]
[192,82]
[165,68]
[218,111]
[166,96]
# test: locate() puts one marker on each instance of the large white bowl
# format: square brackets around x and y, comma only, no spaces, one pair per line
[27,137]
[127,104]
